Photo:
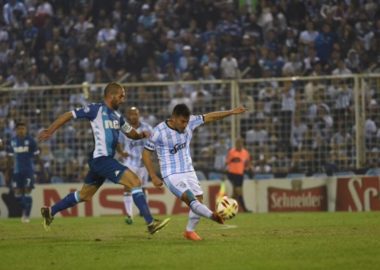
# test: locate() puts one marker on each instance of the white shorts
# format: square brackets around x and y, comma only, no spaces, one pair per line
[141,173]
[180,182]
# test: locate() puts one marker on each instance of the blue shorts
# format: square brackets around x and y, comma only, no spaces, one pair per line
[23,180]
[103,168]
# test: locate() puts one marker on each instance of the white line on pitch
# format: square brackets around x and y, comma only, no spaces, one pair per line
[227,227]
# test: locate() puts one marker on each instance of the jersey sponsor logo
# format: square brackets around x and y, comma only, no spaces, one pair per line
[177,147]
[181,185]
[21,149]
[111,124]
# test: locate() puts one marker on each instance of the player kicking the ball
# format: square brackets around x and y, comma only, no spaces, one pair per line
[171,141]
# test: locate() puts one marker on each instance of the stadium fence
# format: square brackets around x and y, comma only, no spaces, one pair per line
[299,126]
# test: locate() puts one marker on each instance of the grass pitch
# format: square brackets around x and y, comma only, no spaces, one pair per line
[250,241]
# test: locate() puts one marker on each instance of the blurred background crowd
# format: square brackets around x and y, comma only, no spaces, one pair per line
[291,126]
[69,41]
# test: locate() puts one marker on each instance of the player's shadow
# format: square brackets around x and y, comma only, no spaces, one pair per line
[14,208]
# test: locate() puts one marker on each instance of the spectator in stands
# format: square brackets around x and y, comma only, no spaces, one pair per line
[341,93]
[52,42]
[288,107]
[309,35]
[324,43]
[341,69]
[201,98]
[13,13]
[281,164]
[251,67]
[293,67]
[341,142]
[107,33]
[147,18]
[229,66]
[299,128]
[185,59]
[180,97]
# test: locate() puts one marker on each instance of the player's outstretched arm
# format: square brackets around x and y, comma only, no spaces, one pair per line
[213,116]
[60,121]
[134,135]
[147,159]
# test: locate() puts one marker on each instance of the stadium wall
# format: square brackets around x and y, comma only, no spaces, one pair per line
[352,194]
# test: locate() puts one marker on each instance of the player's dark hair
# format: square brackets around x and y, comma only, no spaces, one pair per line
[112,88]
[181,110]
[20,124]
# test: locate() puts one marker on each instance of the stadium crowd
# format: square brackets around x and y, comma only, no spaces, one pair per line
[94,41]
[56,42]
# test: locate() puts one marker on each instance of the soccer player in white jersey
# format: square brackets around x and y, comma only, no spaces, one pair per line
[106,124]
[171,141]
[131,156]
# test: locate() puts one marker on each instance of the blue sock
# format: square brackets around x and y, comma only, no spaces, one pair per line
[28,204]
[140,201]
[21,201]
[70,200]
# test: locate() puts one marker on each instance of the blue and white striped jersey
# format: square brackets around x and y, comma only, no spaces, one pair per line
[134,148]
[106,124]
[23,151]
[173,147]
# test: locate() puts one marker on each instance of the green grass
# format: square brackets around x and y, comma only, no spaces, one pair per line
[259,241]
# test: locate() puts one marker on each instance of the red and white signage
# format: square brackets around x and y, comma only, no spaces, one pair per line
[288,200]
[108,200]
[286,195]
[358,194]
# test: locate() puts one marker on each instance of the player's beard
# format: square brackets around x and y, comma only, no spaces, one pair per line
[115,105]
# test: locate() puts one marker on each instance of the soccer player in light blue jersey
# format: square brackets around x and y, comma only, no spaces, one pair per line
[171,141]
[22,150]
[131,156]
[106,124]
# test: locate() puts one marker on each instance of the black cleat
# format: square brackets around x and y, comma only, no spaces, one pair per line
[48,218]
[157,225]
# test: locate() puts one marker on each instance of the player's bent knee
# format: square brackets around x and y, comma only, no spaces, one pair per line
[85,198]
[188,197]
[129,180]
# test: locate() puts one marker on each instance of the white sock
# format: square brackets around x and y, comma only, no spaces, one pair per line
[128,203]
[200,209]
[193,221]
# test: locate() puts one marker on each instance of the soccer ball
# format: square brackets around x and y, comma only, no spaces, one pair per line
[227,208]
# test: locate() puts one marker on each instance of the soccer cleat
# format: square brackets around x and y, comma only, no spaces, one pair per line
[48,218]
[217,218]
[192,236]
[157,225]
[128,220]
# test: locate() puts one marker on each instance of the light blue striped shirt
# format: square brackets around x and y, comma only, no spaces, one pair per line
[173,147]
[134,148]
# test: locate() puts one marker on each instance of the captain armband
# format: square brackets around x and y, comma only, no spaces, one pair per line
[126,128]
